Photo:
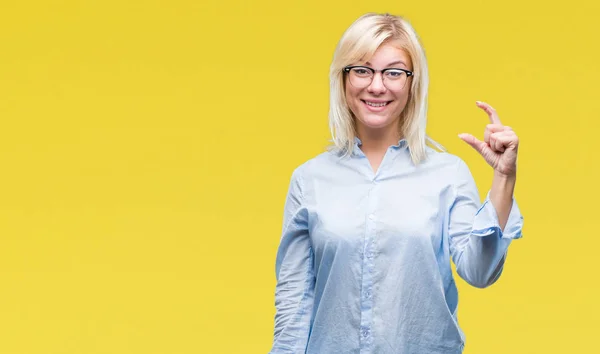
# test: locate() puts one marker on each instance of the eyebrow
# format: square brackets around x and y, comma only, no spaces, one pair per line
[392,63]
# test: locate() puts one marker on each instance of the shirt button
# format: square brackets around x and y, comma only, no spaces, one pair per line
[365,333]
[368,294]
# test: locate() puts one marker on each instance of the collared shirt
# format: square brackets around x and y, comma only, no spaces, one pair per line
[363,264]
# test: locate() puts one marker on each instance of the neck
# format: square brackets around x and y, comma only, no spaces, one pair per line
[378,140]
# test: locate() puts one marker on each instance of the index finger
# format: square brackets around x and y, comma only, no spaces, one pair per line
[494,119]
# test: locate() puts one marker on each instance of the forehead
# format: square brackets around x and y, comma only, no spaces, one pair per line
[387,53]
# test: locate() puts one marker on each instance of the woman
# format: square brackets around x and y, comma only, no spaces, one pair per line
[371,226]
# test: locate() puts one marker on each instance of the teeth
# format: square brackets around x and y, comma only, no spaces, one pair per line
[372,104]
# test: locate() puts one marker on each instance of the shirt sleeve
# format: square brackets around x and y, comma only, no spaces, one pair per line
[294,292]
[477,244]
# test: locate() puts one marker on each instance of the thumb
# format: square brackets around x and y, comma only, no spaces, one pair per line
[473,141]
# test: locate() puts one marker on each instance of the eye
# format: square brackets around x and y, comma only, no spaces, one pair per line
[394,73]
[362,72]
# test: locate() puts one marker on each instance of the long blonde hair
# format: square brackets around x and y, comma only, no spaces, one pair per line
[360,41]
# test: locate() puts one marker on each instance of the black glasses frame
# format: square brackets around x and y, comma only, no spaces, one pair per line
[373,71]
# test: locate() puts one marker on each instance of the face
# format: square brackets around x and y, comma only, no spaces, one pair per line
[377,106]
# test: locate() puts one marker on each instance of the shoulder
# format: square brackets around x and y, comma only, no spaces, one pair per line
[317,168]
[442,158]
[317,163]
[445,163]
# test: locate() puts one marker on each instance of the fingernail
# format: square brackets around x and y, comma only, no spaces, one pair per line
[478,102]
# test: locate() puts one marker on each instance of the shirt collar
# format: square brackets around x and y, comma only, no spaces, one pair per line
[401,143]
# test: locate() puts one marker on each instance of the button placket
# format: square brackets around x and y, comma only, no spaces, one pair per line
[368,269]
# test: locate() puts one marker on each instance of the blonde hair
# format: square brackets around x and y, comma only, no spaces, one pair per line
[359,42]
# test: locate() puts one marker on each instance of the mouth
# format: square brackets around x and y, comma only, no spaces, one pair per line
[376,105]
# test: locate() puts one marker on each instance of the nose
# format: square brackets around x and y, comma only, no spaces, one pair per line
[377,86]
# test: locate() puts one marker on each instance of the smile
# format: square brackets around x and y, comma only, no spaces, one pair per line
[376,104]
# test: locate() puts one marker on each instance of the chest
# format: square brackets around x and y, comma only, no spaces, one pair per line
[393,211]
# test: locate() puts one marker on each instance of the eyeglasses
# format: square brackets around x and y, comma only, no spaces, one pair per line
[362,76]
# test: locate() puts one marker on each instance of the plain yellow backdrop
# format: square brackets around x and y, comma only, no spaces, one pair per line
[146,148]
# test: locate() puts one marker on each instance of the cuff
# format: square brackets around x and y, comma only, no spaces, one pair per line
[486,221]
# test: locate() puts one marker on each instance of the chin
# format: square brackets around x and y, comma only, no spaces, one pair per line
[376,122]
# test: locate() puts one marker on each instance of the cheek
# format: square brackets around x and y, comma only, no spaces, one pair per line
[402,99]
[351,99]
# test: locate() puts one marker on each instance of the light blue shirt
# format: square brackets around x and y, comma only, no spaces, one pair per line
[363,264]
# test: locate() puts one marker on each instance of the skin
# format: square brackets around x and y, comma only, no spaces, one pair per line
[378,129]
[499,149]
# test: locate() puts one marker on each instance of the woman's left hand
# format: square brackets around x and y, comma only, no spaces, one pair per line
[500,145]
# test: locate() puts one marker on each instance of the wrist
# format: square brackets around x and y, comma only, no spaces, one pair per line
[511,177]
[503,185]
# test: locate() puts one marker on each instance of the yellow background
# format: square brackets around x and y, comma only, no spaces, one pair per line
[146,149]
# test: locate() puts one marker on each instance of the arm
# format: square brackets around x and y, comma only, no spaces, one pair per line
[479,238]
[294,292]
[501,195]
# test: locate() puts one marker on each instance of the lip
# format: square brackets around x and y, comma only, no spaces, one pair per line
[376,109]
